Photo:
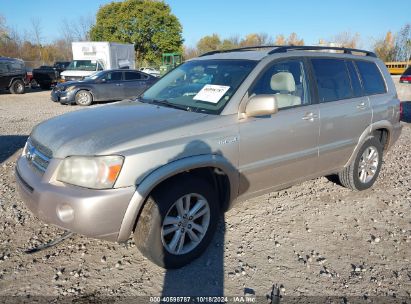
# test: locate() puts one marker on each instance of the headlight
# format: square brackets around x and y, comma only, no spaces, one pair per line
[97,172]
[70,88]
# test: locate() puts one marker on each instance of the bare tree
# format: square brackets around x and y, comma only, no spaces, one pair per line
[190,52]
[280,40]
[293,39]
[37,29]
[77,30]
[3,28]
[385,47]
[347,39]
[403,44]
[256,39]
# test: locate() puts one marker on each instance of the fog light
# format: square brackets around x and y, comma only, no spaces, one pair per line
[65,213]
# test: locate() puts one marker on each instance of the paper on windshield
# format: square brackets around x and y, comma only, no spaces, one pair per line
[211,93]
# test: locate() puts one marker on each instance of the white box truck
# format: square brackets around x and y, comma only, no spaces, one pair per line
[91,56]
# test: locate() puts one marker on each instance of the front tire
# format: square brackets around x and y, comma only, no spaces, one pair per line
[177,222]
[84,98]
[17,87]
[362,173]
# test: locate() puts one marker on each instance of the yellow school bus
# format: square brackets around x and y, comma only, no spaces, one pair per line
[397,68]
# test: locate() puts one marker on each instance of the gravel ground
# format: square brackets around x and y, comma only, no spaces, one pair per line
[314,239]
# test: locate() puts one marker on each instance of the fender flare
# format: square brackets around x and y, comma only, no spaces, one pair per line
[383,124]
[14,79]
[171,169]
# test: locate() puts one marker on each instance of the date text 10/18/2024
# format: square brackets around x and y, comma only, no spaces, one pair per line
[204,299]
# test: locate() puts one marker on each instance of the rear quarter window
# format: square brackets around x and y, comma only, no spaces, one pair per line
[371,77]
[332,79]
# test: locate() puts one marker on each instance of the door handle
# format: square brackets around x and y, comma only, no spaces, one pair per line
[361,106]
[310,116]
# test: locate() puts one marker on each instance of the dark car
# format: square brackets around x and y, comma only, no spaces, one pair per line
[46,76]
[406,76]
[102,86]
[12,75]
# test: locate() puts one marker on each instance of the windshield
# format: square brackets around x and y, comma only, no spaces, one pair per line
[200,85]
[83,65]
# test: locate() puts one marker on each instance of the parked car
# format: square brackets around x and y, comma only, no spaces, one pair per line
[101,86]
[406,76]
[46,76]
[150,71]
[12,75]
[218,129]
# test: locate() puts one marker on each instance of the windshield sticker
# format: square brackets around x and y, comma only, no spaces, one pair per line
[211,93]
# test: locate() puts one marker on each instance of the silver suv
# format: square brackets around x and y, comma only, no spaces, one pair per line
[216,130]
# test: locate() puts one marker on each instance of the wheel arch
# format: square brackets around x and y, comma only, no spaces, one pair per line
[215,167]
[382,130]
[14,79]
[86,89]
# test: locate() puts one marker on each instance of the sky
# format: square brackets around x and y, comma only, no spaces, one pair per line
[311,20]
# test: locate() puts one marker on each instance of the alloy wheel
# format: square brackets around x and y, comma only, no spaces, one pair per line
[368,164]
[185,224]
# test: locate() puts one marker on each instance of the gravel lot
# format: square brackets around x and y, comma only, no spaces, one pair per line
[314,239]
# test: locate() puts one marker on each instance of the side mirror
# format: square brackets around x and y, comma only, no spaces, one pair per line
[261,105]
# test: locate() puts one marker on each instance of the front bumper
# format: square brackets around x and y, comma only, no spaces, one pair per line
[63,96]
[93,213]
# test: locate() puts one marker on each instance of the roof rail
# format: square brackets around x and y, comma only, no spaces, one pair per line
[246,48]
[286,48]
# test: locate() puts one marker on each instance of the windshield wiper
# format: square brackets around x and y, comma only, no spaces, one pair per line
[164,102]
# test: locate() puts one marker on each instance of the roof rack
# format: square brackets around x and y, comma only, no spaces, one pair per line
[246,48]
[286,48]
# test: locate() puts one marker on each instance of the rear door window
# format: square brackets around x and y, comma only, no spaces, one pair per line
[114,76]
[135,76]
[371,77]
[355,81]
[332,79]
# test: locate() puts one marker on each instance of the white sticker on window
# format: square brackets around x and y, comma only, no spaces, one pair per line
[211,93]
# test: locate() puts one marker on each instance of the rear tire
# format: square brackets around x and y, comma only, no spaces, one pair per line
[363,171]
[84,98]
[177,242]
[17,87]
[34,84]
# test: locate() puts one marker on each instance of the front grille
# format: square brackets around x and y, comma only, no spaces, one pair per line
[38,156]
[73,78]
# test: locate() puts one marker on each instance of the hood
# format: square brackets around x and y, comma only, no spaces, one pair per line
[76,73]
[100,129]
[66,84]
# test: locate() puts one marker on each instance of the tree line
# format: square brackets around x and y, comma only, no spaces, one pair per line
[153,29]
[395,47]
[30,44]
